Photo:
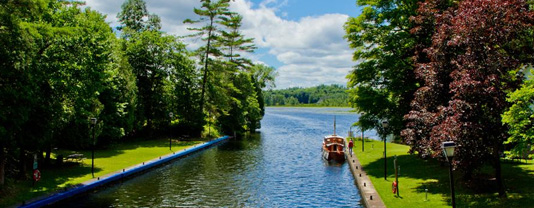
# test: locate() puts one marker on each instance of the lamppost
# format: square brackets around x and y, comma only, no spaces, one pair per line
[93,124]
[385,125]
[448,151]
[170,141]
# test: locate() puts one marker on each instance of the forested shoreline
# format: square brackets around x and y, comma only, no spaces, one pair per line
[322,95]
[62,65]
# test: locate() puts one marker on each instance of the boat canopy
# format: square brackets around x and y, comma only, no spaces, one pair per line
[338,144]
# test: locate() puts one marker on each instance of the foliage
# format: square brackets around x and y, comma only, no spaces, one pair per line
[49,86]
[322,95]
[133,15]
[474,57]
[519,118]
[119,98]
[382,83]
[233,41]
[62,64]
[152,56]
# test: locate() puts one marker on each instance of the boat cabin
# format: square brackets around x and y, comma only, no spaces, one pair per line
[334,143]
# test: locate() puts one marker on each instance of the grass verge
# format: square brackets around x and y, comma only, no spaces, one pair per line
[416,175]
[106,161]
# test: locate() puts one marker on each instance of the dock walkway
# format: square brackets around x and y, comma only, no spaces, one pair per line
[367,190]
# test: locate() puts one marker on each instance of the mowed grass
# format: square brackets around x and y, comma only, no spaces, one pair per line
[107,161]
[417,174]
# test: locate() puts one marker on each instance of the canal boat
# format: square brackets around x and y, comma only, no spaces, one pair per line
[334,147]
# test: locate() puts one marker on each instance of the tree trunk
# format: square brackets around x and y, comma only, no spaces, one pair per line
[205,77]
[2,165]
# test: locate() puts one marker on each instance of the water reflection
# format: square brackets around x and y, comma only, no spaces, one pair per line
[279,167]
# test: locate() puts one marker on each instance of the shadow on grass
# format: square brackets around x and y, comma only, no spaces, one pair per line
[23,190]
[518,181]
[50,178]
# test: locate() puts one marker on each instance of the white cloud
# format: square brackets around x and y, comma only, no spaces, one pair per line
[312,50]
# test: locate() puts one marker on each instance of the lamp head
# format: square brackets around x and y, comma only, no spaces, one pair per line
[385,123]
[93,121]
[448,148]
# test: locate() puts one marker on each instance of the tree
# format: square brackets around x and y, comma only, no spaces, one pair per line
[16,86]
[519,118]
[209,14]
[119,97]
[49,87]
[263,76]
[475,54]
[133,15]
[382,83]
[152,56]
[234,42]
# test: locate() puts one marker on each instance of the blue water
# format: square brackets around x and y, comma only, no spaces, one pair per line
[281,166]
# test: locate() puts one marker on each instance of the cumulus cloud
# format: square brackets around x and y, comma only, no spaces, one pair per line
[311,50]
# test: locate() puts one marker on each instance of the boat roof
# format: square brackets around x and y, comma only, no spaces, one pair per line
[330,144]
[333,136]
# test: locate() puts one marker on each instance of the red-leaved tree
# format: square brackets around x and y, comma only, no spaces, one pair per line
[473,61]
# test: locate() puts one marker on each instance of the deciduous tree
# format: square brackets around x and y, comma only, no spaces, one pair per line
[382,83]
[475,54]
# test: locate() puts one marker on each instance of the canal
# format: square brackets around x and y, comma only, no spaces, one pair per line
[281,166]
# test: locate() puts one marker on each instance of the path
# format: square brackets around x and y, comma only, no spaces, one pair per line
[369,194]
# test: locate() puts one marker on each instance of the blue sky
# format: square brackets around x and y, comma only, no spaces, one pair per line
[302,39]
[296,9]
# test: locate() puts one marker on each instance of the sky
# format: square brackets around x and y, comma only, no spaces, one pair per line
[302,39]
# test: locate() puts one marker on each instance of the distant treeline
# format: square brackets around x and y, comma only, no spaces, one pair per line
[322,95]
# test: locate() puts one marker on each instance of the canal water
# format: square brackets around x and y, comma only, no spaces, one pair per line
[281,166]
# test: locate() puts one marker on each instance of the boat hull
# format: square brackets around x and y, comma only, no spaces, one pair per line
[333,156]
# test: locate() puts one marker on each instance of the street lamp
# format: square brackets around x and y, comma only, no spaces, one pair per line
[385,124]
[93,124]
[448,151]
[170,142]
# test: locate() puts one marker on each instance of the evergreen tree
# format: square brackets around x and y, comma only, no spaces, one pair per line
[209,13]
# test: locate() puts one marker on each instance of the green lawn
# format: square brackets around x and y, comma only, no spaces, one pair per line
[416,175]
[106,161]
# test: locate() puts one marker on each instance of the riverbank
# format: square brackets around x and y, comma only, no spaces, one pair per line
[425,183]
[370,196]
[118,157]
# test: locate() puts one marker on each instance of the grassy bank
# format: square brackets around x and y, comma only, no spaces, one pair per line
[416,175]
[106,161]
